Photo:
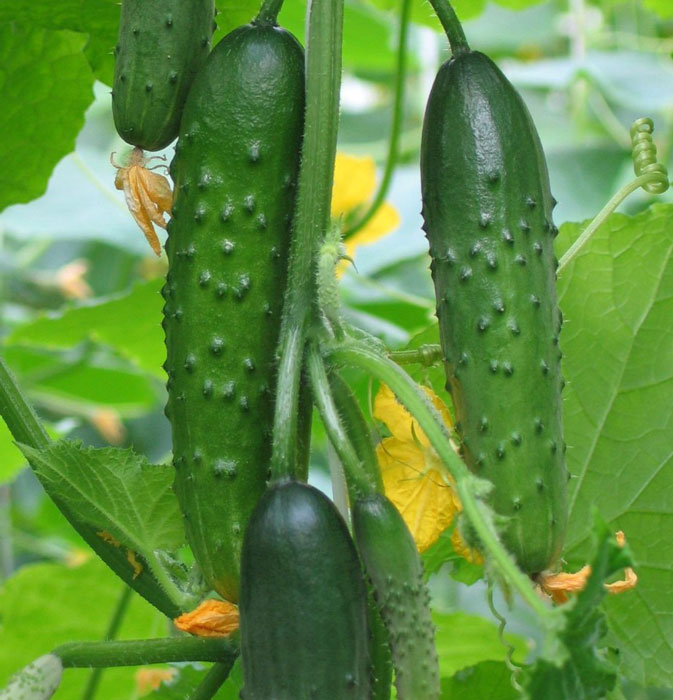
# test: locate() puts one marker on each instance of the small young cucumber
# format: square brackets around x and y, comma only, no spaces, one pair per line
[235,171]
[488,218]
[303,601]
[392,563]
[162,45]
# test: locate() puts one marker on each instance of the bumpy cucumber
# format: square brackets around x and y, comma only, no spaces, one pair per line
[488,218]
[162,45]
[392,563]
[303,601]
[235,171]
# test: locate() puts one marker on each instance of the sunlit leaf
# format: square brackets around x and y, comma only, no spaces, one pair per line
[45,87]
[617,297]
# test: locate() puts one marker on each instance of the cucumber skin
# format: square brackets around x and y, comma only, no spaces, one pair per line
[488,218]
[235,172]
[161,47]
[303,601]
[392,562]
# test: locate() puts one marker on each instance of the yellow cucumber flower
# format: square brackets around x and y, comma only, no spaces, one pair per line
[354,187]
[414,477]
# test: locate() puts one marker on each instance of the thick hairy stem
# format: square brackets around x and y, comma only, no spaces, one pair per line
[145,651]
[21,419]
[361,480]
[452,26]
[311,221]
[268,13]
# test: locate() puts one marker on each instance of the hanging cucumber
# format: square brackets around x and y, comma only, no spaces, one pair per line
[162,45]
[303,601]
[488,218]
[235,171]
[392,563]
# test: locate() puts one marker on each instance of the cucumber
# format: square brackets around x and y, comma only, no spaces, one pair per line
[235,172]
[392,563]
[162,45]
[487,208]
[303,601]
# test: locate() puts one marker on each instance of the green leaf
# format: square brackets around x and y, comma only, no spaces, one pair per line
[115,491]
[45,88]
[662,7]
[441,552]
[617,298]
[488,679]
[99,20]
[37,681]
[45,605]
[587,673]
[464,640]
[131,324]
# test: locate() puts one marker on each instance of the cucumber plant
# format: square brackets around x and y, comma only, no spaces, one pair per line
[162,45]
[235,171]
[254,332]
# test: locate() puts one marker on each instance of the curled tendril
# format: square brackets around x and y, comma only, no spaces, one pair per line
[644,154]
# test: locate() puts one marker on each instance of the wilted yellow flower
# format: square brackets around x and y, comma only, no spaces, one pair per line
[70,280]
[109,424]
[148,195]
[213,618]
[149,679]
[414,477]
[354,186]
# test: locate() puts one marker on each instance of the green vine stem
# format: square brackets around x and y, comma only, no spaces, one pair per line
[213,681]
[21,419]
[112,631]
[652,176]
[426,355]
[396,125]
[363,484]
[452,26]
[142,652]
[268,13]
[413,399]
[356,427]
[311,221]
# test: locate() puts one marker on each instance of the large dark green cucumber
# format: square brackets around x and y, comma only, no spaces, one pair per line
[235,171]
[162,45]
[303,601]
[392,563]
[488,218]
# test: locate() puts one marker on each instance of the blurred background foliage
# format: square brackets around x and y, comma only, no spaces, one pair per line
[80,309]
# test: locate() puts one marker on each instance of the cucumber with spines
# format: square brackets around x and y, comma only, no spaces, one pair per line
[487,207]
[161,47]
[303,601]
[235,172]
[394,567]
